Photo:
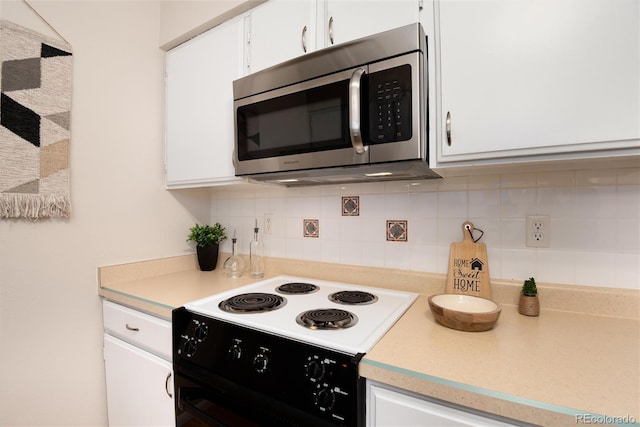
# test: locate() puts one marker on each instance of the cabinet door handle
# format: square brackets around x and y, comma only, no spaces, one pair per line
[166,385]
[331,29]
[131,328]
[448,128]
[304,39]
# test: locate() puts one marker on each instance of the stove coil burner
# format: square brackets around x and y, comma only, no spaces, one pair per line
[297,288]
[327,318]
[353,297]
[252,303]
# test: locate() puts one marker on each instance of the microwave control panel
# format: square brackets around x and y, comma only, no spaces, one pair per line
[390,105]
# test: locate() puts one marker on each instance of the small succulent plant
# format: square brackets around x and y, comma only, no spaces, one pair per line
[529,288]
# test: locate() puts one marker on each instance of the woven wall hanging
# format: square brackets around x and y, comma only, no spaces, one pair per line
[35,109]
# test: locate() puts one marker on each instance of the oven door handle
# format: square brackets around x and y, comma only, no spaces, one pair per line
[354,111]
[189,407]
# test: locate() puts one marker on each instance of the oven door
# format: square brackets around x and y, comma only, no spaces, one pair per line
[221,403]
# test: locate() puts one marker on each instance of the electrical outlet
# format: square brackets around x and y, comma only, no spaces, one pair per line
[268,223]
[538,231]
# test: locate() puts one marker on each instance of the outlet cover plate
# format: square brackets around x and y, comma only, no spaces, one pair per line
[538,231]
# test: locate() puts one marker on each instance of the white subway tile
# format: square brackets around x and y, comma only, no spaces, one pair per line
[627,271]
[452,204]
[423,205]
[556,179]
[558,203]
[518,264]
[330,250]
[519,180]
[484,204]
[397,255]
[423,257]
[628,236]
[628,202]
[454,183]
[596,202]
[350,252]
[596,268]
[512,234]
[517,203]
[555,266]
[589,178]
[484,182]
[423,231]
[311,249]
[628,176]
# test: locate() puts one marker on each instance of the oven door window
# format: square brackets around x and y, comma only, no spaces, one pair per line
[222,403]
[201,409]
[309,120]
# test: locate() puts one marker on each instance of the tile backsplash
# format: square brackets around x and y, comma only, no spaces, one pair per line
[594,236]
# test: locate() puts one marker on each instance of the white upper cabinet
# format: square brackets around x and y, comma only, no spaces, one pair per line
[199,107]
[344,20]
[539,78]
[279,30]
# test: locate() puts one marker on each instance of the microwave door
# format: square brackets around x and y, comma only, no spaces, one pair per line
[302,126]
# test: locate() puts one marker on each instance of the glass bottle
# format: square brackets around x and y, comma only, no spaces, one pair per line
[234,265]
[256,251]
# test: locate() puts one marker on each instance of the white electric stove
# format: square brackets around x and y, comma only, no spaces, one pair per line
[340,316]
[280,352]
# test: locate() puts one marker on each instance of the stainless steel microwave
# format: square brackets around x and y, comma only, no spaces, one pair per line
[354,112]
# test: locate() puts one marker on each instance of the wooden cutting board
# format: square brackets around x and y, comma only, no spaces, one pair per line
[468,272]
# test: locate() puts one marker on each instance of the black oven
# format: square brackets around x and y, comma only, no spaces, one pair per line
[230,375]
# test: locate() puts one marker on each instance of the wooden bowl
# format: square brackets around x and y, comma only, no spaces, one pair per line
[464,312]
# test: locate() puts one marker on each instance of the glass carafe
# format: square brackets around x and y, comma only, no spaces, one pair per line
[234,265]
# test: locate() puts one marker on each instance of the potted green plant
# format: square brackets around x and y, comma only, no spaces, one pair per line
[207,239]
[529,305]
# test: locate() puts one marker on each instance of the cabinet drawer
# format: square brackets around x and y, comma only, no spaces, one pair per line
[137,328]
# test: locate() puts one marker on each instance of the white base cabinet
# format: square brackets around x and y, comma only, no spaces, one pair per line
[390,407]
[139,381]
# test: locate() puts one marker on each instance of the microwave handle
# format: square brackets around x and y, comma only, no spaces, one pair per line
[354,111]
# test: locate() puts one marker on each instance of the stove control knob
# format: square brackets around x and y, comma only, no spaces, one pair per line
[325,399]
[189,347]
[235,351]
[201,332]
[315,370]
[261,361]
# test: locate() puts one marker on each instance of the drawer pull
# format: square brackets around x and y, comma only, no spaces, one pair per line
[304,39]
[448,128]
[132,328]
[331,29]
[166,385]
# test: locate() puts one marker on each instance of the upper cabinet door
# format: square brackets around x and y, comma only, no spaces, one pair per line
[522,78]
[343,20]
[199,107]
[280,30]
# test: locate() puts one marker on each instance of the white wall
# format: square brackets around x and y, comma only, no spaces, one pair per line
[184,19]
[595,236]
[51,365]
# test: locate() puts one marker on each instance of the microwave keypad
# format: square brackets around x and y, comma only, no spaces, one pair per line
[390,99]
